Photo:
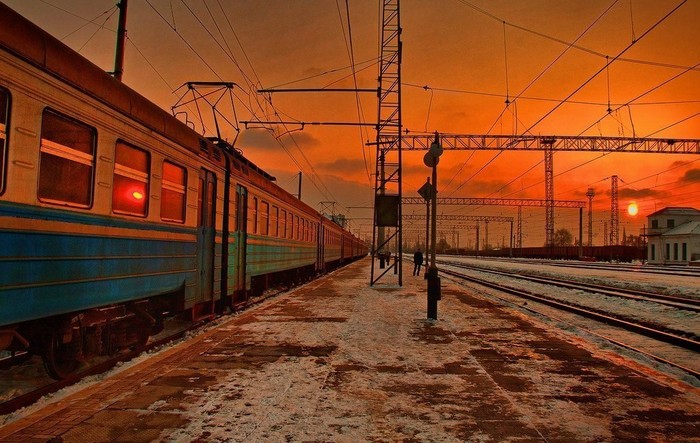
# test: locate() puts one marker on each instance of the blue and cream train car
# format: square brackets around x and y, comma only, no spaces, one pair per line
[114,214]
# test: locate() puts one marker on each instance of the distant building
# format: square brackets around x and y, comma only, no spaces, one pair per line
[673,236]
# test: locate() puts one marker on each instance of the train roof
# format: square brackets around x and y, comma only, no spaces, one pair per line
[24,39]
[29,42]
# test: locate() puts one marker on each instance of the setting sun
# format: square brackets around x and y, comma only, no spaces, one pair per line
[632,209]
[138,196]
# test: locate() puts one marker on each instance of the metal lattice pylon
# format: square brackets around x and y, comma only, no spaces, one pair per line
[614,214]
[386,232]
[549,194]
[590,194]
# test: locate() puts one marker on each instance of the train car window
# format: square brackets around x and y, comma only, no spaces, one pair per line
[283,224]
[264,218]
[234,215]
[4,117]
[211,201]
[297,232]
[173,197]
[290,226]
[131,180]
[200,200]
[67,161]
[254,214]
[274,224]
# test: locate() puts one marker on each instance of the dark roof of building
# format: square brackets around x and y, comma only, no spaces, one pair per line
[675,210]
[690,228]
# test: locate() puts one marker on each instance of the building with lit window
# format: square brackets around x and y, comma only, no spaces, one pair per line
[673,236]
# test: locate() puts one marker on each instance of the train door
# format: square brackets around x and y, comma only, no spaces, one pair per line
[206,233]
[240,237]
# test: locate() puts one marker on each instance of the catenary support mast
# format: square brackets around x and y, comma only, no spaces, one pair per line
[386,232]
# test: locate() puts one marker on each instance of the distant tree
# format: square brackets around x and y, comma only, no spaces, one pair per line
[632,240]
[442,246]
[562,237]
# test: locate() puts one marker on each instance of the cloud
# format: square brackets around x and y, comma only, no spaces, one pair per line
[639,193]
[344,165]
[265,139]
[692,176]
[257,138]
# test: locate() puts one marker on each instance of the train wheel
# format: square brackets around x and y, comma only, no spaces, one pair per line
[61,359]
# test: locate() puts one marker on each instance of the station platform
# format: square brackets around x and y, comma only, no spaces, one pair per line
[336,360]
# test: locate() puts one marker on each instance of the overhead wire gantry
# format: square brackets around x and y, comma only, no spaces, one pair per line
[551,144]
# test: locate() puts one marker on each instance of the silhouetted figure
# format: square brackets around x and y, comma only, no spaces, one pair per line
[418,261]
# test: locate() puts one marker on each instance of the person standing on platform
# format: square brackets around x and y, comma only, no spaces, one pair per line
[418,261]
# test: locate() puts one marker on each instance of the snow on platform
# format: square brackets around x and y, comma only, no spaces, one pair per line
[339,361]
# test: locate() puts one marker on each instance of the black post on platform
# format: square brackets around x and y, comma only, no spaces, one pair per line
[427,231]
[431,159]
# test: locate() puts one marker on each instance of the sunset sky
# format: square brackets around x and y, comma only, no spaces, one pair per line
[461,60]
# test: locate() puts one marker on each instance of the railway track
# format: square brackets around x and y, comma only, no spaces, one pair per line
[29,397]
[688,304]
[642,269]
[681,339]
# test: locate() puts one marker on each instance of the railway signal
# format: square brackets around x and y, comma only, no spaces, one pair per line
[431,160]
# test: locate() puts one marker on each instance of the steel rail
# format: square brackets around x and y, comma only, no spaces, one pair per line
[685,369]
[677,340]
[29,398]
[688,304]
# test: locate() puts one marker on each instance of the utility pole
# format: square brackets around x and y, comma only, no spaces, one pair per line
[477,239]
[486,235]
[121,40]
[299,192]
[606,239]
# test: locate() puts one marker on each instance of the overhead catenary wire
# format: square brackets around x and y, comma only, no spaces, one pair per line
[351,55]
[595,74]
[313,177]
[563,42]
[535,79]
[598,72]
[542,99]
[93,22]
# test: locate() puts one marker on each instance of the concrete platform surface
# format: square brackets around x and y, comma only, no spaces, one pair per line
[339,361]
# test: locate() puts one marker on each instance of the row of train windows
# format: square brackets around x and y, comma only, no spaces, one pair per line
[67,169]
[276,222]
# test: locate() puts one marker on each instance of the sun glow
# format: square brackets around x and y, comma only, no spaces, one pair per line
[137,195]
[632,209]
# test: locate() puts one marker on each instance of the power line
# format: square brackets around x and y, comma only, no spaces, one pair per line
[563,42]
[613,59]
[543,99]
[98,29]
[532,82]
[586,82]
[185,41]
[351,55]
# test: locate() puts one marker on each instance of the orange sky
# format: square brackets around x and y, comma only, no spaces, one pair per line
[460,53]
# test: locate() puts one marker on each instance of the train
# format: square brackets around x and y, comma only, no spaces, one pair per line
[115,215]
[622,253]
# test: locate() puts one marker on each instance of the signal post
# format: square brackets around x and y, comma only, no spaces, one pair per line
[431,159]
